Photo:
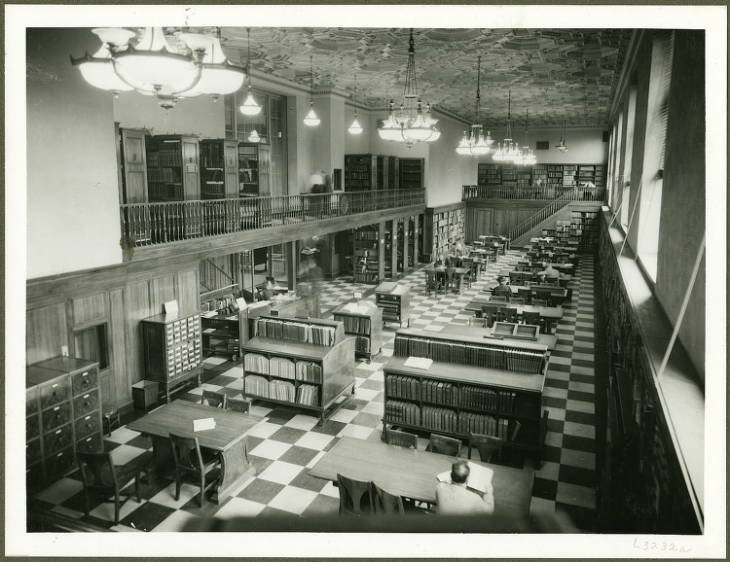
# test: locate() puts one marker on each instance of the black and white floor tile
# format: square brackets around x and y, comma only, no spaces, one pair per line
[285,444]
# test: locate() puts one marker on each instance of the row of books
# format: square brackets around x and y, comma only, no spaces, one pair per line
[295,331]
[487,425]
[256,385]
[307,394]
[366,235]
[403,412]
[480,398]
[362,344]
[282,367]
[403,387]
[281,390]
[309,372]
[255,363]
[354,324]
[472,355]
[163,158]
[440,419]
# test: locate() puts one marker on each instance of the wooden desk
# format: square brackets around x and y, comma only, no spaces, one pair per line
[412,474]
[554,292]
[547,312]
[228,438]
[460,272]
[543,341]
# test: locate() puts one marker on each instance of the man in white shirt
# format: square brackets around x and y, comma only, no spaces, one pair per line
[454,498]
[549,273]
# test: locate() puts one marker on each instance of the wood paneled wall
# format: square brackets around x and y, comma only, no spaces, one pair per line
[497,217]
[120,307]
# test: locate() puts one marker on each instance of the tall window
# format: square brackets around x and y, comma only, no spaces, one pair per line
[660,79]
[628,156]
[618,179]
[611,163]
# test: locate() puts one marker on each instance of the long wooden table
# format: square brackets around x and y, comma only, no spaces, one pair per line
[459,272]
[544,341]
[551,314]
[554,291]
[228,438]
[412,474]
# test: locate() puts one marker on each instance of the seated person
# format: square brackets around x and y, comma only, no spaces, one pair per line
[269,288]
[455,498]
[502,290]
[549,273]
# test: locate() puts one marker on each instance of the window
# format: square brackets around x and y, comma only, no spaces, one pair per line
[626,209]
[654,147]
[90,343]
[617,177]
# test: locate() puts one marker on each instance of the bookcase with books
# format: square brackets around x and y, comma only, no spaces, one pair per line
[172,347]
[410,172]
[218,169]
[489,174]
[364,321]
[394,300]
[585,225]
[365,254]
[173,167]
[570,172]
[509,175]
[555,177]
[308,364]
[411,241]
[456,384]
[443,230]
[361,171]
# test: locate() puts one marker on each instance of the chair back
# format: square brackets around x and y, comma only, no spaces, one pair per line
[385,502]
[539,302]
[489,447]
[532,318]
[524,294]
[186,453]
[517,300]
[97,470]
[498,298]
[430,280]
[515,277]
[510,314]
[477,321]
[213,399]
[444,445]
[355,496]
[238,405]
[545,294]
[400,438]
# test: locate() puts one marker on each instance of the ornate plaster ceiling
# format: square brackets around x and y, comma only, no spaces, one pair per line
[556,74]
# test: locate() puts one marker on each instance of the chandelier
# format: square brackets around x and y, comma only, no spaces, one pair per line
[151,67]
[355,128]
[476,144]
[508,150]
[412,123]
[249,106]
[311,119]
[562,145]
[526,156]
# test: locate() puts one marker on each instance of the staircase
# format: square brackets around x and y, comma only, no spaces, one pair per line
[214,281]
[525,230]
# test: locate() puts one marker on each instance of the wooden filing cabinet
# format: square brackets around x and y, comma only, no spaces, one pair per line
[63,417]
[172,349]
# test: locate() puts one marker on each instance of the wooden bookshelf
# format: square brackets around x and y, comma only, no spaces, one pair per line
[173,167]
[443,230]
[172,347]
[395,301]
[410,172]
[473,385]
[293,371]
[556,176]
[387,172]
[366,256]
[218,169]
[248,170]
[365,324]
[361,172]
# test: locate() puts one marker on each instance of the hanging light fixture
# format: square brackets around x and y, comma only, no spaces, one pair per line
[562,145]
[311,119]
[249,106]
[413,121]
[476,144]
[527,156]
[355,128]
[151,67]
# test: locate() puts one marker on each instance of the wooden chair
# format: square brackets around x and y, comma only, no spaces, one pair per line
[355,496]
[385,502]
[444,445]
[191,463]
[478,321]
[539,302]
[100,474]
[451,279]
[525,294]
[238,405]
[489,314]
[498,298]
[533,318]
[213,399]
[400,438]
[517,300]
[510,314]
[543,294]
[430,282]
[489,447]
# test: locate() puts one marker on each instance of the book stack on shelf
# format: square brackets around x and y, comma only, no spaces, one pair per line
[555,176]
[444,231]
[411,242]
[218,169]
[410,173]
[248,170]
[540,174]
[570,171]
[600,175]
[363,320]
[165,177]
[586,173]
[360,172]
[585,225]
[470,385]
[509,176]
[524,179]
[394,300]
[303,363]
[489,174]
[400,238]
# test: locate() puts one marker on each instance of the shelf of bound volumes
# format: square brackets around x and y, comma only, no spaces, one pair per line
[395,302]
[456,384]
[364,321]
[304,363]
[366,255]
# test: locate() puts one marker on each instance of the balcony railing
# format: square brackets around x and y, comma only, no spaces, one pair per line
[146,224]
[471,192]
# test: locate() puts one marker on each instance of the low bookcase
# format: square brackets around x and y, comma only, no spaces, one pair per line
[473,385]
[308,364]
[366,326]
[395,301]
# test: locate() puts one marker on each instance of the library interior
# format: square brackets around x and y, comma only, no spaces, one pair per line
[341,278]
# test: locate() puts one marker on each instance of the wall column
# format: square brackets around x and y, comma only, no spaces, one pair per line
[406,224]
[381,251]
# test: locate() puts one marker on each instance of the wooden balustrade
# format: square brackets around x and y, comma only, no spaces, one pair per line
[471,192]
[146,224]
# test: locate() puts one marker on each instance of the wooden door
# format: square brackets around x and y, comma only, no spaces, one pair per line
[230,163]
[134,166]
[264,170]
[191,168]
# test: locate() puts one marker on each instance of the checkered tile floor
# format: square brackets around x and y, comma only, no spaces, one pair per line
[285,443]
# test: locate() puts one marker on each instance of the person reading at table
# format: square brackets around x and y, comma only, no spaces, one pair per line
[269,288]
[455,498]
[549,273]
[502,290]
